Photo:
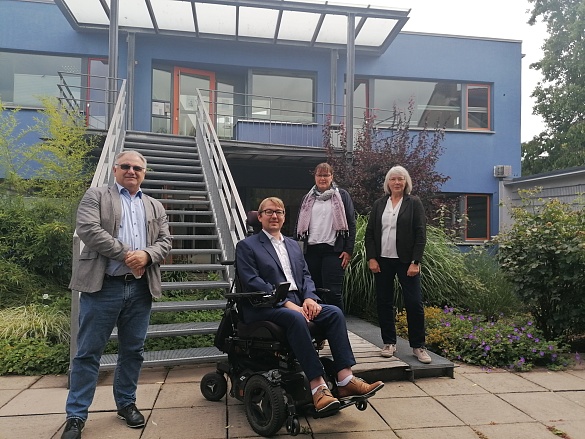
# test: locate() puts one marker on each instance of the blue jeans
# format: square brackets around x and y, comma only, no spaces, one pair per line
[123,304]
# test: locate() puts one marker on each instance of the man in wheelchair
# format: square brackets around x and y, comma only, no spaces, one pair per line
[267,259]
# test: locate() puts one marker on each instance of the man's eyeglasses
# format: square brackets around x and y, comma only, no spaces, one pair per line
[270,212]
[126,167]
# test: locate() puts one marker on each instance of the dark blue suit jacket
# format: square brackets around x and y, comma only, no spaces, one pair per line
[259,268]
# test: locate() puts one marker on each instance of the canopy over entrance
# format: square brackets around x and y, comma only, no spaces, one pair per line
[308,23]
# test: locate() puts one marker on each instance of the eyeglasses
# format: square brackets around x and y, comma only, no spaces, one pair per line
[270,212]
[396,179]
[126,167]
[322,175]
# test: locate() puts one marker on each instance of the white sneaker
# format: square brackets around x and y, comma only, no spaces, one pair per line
[422,355]
[388,350]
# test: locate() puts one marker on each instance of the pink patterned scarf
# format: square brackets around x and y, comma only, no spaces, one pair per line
[338,210]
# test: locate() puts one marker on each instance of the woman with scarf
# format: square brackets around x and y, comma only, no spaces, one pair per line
[326,225]
[395,240]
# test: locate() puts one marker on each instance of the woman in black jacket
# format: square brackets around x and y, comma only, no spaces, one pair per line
[395,241]
[326,225]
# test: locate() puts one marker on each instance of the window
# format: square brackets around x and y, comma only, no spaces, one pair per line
[282,98]
[477,208]
[468,215]
[446,104]
[24,78]
[478,107]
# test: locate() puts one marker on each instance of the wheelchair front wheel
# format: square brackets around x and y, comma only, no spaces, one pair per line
[265,406]
[213,386]
[293,426]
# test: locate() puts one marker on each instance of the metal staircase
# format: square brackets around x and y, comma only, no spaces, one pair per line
[175,177]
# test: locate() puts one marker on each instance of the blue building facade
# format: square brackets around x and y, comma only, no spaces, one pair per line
[469,85]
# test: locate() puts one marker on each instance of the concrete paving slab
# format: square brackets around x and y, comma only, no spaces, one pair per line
[107,425]
[546,407]
[104,399]
[17,382]
[350,419]
[7,395]
[449,386]
[36,402]
[186,423]
[399,389]
[532,430]
[482,409]
[557,380]
[182,395]
[424,412]
[574,429]
[505,382]
[39,426]
[577,397]
[438,433]
[189,373]
[239,427]
[51,382]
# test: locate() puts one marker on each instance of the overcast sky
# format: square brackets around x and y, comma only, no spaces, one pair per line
[481,18]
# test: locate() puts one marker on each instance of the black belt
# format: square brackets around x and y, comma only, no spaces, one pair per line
[128,277]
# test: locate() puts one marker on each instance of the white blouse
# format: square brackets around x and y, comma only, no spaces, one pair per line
[389,217]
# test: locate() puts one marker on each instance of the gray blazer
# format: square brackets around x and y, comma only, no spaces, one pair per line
[98,220]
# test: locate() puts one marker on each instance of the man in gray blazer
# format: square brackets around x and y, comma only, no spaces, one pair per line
[126,236]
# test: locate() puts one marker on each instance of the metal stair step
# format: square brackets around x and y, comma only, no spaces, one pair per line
[176,329]
[190,224]
[173,183]
[194,237]
[188,212]
[195,284]
[158,175]
[195,251]
[189,305]
[175,167]
[170,358]
[173,192]
[193,267]
[176,201]
[161,160]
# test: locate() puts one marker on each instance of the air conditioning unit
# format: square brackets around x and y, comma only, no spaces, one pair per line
[501,171]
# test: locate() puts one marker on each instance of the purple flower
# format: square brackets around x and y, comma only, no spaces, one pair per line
[541,354]
[529,335]
[487,348]
[537,340]
[447,324]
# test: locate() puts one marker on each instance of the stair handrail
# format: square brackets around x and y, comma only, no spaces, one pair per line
[224,197]
[103,176]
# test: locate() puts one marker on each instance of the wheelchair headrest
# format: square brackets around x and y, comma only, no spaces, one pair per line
[253,224]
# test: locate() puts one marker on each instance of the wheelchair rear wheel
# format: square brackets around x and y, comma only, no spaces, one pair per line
[213,386]
[265,406]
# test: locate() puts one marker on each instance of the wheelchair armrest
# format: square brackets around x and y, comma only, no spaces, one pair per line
[262,299]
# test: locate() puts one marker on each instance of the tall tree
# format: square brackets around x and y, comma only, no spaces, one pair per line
[560,97]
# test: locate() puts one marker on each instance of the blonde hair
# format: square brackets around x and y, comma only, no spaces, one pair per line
[402,172]
[273,200]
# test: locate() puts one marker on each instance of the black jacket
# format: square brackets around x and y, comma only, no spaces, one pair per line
[410,229]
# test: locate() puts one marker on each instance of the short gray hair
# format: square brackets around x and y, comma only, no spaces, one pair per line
[131,152]
[401,171]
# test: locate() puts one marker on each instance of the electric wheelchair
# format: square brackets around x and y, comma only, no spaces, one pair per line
[261,368]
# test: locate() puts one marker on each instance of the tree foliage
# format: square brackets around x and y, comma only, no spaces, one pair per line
[561,94]
[376,151]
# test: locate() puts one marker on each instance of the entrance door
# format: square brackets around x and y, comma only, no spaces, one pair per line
[186,82]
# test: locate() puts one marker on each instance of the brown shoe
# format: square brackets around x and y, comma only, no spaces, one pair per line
[324,400]
[358,387]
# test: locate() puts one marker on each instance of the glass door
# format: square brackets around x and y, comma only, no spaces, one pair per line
[187,81]
[96,96]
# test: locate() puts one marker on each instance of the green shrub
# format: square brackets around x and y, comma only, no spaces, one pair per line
[444,275]
[543,256]
[494,295]
[35,321]
[30,356]
[513,343]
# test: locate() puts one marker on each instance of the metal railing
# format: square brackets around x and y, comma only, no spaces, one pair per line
[225,201]
[103,177]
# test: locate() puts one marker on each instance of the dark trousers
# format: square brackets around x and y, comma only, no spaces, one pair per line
[411,291]
[325,268]
[330,320]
